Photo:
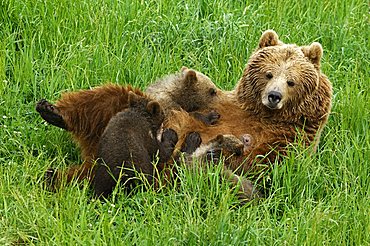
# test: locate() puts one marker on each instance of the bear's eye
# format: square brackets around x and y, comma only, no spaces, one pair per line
[290,83]
[212,92]
[269,75]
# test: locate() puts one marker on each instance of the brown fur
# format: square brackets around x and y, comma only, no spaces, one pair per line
[302,111]
[301,108]
[228,147]
[86,113]
[129,144]
[86,119]
[187,90]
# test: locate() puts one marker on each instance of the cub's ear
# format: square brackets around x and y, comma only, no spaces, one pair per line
[153,108]
[183,68]
[269,38]
[313,53]
[132,99]
[190,77]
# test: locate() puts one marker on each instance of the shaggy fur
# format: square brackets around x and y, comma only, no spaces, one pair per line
[129,144]
[188,90]
[226,147]
[281,96]
[86,113]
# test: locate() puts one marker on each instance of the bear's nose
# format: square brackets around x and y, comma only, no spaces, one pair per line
[274,97]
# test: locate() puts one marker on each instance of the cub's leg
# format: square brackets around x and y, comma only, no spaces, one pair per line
[190,144]
[227,146]
[247,191]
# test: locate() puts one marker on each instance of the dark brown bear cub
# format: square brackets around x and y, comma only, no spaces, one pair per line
[129,146]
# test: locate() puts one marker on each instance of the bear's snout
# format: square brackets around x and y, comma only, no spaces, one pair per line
[274,97]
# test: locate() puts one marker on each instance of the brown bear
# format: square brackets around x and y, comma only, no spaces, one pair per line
[86,113]
[129,145]
[188,90]
[282,96]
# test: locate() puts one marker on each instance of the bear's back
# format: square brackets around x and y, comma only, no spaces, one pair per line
[128,137]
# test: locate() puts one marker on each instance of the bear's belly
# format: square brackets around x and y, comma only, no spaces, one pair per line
[235,124]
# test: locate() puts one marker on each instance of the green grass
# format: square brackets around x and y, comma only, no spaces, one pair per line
[48,47]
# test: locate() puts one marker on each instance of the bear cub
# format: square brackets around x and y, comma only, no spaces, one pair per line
[188,90]
[228,147]
[129,146]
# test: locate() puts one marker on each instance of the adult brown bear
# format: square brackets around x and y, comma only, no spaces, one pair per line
[281,96]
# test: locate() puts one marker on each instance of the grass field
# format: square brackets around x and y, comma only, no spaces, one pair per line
[49,47]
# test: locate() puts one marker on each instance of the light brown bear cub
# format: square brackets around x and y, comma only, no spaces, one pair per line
[129,146]
[188,90]
[221,149]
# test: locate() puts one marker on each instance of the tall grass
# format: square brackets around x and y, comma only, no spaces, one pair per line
[48,47]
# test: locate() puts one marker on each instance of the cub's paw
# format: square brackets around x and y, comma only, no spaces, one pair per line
[169,136]
[212,117]
[168,142]
[50,177]
[50,113]
[191,143]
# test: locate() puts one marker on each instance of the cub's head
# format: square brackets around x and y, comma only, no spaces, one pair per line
[228,146]
[196,91]
[280,76]
[148,108]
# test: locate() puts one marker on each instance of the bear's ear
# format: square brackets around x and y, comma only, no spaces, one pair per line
[183,68]
[313,53]
[190,77]
[132,99]
[153,108]
[269,38]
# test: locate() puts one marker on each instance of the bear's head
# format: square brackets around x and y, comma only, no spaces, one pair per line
[196,91]
[147,108]
[282,79]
